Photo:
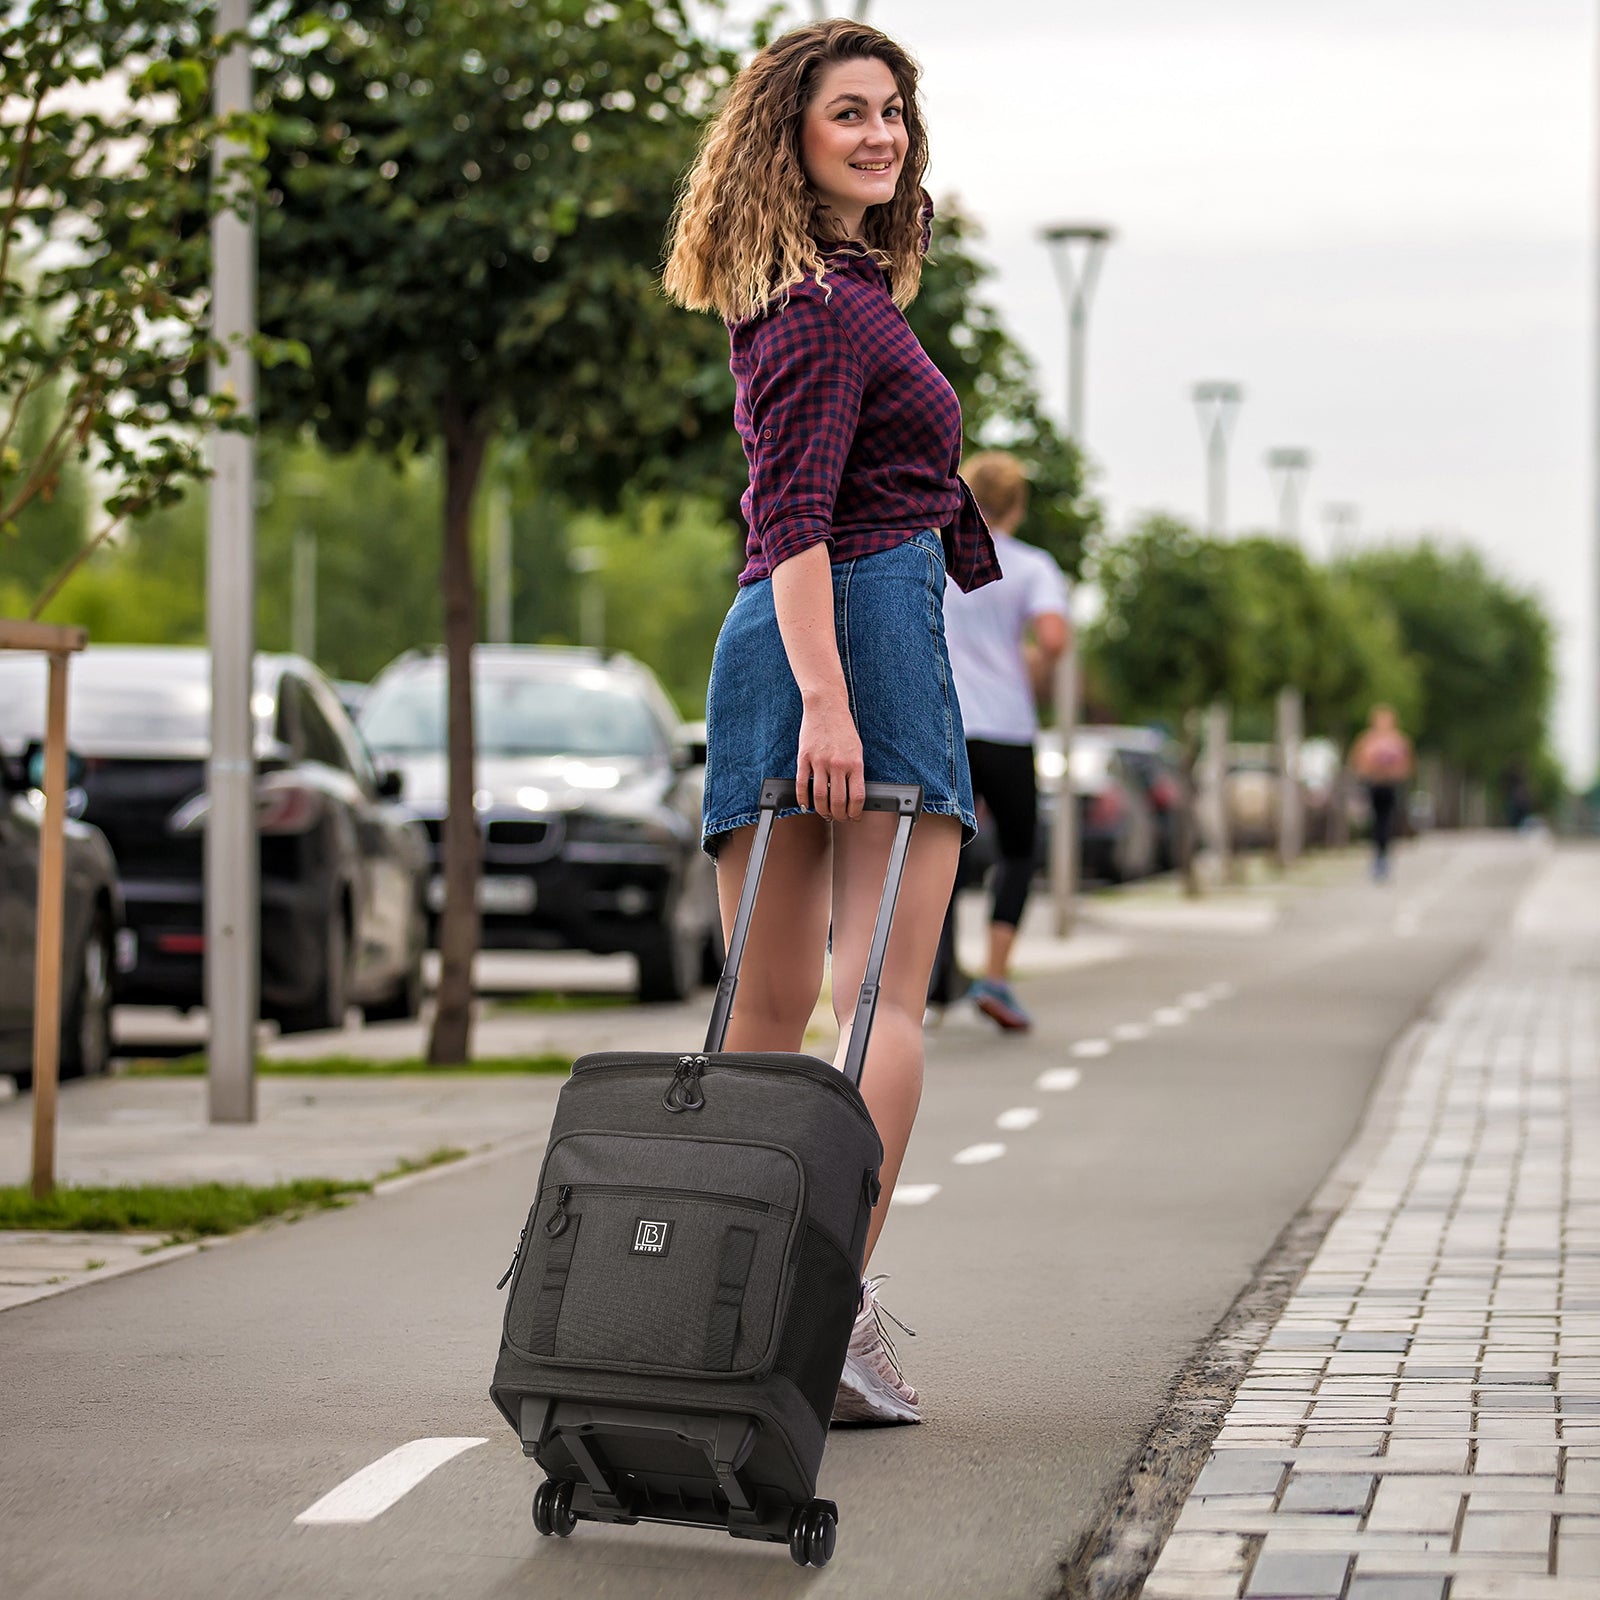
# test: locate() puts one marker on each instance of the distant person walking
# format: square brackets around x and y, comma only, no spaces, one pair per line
[1383,760]
[1004,642]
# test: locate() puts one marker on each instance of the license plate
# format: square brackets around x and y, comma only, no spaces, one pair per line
[501,896]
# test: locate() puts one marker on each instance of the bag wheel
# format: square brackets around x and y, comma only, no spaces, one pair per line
[552,1508]
[813,1534]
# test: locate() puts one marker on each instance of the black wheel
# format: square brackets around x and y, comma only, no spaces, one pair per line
[813,1533]
[326,1008]
[86,1028]
[669,963]
[542,1497]
[563,1519]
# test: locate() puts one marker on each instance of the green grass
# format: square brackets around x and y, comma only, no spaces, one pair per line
[353,1066]
[554,1001]
[179,1212]
[434,1158]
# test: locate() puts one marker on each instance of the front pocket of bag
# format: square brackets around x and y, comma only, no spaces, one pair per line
[677,1276]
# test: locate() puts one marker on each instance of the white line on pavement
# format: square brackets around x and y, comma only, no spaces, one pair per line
[1017,1118]
[1222,991]
[1195,1000]
[1169,1016]
[975,1154]
[914,1194]
[1405,925]
[1090,1049]
[371,1491]
[1130,1032]
[1059,1078]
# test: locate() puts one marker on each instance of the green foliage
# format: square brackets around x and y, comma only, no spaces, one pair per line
[179,1212]
[465,205]
[667,574]
[105,202]
[1173,635]
[1484,652]
[967,341]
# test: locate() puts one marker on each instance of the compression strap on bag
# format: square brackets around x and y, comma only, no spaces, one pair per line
[733,1276]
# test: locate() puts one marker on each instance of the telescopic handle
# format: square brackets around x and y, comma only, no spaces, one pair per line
[779,794]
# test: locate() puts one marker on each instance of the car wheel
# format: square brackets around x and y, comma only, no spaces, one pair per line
[669,963]
[403,1003]
[326,1009]
[86,1034]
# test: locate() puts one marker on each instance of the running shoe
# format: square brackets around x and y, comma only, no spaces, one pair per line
[872,1387]
[998,1002]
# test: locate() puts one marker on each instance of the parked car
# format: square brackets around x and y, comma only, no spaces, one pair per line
[343,866]
[588,796]
[91,924]
[1151,759]
[1250,789]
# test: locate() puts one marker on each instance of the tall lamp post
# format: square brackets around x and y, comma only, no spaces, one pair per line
[1287,466]
[232,959]
[1217,404]
[1076,249]
[819,10]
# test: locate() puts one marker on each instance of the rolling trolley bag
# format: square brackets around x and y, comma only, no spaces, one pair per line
[684,1290]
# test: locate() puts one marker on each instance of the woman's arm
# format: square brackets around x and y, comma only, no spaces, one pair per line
[830,748]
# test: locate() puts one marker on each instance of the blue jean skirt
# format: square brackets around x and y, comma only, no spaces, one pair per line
[888,614]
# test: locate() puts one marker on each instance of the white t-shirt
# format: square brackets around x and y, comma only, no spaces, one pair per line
[984,631]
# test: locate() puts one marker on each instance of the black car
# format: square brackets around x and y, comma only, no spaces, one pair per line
[91,924]
[343,867]
[588,798]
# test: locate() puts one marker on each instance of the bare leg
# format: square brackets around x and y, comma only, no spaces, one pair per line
[781,975]
[1001,938]
[892,1082]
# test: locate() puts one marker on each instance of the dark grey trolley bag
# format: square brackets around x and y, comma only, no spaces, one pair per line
[683,1293]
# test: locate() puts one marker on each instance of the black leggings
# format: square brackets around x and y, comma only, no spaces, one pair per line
[1385,798]
[1003,778]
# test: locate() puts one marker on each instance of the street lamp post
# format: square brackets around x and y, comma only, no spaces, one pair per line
[1217,404]
[232,960]
[819,10]
[1341,518]
[1076,250]
[1287,466]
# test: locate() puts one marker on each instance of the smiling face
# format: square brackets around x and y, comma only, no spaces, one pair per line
[853,139]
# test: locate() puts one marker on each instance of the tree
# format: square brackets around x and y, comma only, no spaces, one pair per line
[1172,637]
[464,212]
[105,140]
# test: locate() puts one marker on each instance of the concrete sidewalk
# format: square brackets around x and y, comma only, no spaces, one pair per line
[1424,1418]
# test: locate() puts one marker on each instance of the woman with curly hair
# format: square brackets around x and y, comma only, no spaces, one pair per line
[803,223]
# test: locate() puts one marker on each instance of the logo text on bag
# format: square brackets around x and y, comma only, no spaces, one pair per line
[651,1238]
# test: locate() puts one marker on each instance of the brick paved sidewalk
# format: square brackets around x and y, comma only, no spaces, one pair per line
[1423,1423]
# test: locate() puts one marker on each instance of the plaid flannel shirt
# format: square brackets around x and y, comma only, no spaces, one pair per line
[853,436]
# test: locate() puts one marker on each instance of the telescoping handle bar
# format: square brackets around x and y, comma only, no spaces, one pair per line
[778,794]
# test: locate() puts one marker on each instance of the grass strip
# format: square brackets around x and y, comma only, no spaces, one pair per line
[182,1212]
[434,1158]
[554,1000]
[354,1067]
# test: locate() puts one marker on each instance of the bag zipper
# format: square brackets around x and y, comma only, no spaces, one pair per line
[557,1222]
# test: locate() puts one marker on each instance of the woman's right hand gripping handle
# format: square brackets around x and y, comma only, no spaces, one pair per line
[829,758]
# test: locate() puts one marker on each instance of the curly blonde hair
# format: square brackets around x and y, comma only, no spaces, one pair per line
[748,227]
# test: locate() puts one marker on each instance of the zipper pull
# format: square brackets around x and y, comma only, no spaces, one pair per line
[684,1093]
[557,1225]
[516,1255]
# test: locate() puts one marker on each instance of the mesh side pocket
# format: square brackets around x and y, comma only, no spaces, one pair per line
[816,1333]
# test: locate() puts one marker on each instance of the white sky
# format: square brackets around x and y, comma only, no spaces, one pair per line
[1375,216]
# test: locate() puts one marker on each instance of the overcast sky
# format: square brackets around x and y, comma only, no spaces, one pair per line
[1375,215]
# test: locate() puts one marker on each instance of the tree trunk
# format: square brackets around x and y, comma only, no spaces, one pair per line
[465,440]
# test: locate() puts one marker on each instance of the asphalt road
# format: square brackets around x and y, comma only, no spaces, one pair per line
[162,1432]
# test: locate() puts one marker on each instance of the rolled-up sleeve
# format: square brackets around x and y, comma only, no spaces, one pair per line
[804,400]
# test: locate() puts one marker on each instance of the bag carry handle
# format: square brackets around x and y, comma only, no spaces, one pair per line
[778,794]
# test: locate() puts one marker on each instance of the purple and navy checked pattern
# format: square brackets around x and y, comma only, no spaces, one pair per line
[852,434]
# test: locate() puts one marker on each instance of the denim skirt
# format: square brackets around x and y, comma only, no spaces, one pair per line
[888,615]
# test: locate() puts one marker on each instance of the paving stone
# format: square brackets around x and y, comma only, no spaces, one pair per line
[1577,1558]
[1203,1553]
[1397,1588]
[1507,1532]
[1403,1504]
[1326,1492]
[1290,1576]
[1234,1474]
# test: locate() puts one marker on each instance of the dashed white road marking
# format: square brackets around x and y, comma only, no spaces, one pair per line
[976,1154]
[1017,1118]
[914,1194]
[1169,1017]
[1195,1000]
[1090,1049]
[1405,924]
[1059,1078]
[1222,991]
[1130,1032]
[371,1491]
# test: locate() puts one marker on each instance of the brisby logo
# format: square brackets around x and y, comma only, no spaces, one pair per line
[651,1238]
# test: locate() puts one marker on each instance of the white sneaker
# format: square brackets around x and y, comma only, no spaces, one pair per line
[872,1387]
